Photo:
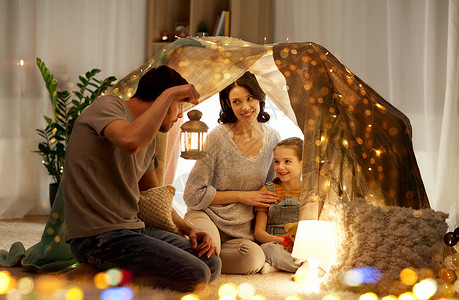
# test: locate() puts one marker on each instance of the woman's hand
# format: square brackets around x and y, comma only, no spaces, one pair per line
[258,198]
[202,242]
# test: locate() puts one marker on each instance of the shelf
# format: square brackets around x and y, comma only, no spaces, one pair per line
[249,20]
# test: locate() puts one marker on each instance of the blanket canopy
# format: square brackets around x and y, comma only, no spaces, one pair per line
[356,144]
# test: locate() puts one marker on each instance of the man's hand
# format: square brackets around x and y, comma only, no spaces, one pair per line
[184,93]
[202,242]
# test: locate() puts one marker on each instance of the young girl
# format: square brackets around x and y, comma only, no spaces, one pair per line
[270,222]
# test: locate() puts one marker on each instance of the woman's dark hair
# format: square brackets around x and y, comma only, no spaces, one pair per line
[249,82]
[156,81]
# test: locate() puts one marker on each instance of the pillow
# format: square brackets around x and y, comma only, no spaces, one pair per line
[155,207]
[389,239]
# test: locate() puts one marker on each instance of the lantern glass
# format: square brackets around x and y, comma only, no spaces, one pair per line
[194,133]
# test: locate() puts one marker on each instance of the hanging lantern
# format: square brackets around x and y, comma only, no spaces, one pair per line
[193,134]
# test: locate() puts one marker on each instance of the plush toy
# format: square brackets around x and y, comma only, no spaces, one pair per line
[289,239]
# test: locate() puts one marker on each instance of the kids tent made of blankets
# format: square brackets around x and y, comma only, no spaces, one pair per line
[356,144]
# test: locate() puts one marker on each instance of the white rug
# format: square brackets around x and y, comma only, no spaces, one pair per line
[273,286]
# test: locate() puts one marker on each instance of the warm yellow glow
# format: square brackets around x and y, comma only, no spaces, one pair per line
[407,296]
[408,276]
[331,297]
[190,297]
[369,296]
[100,281]
[21,62]
[228,291]
[389,297]
[245,290]
[74,293]
[25,285]
[425,289]
[257,297]
[47,285]
[293,297]
[5,280]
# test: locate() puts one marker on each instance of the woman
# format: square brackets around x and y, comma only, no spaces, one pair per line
[223,189]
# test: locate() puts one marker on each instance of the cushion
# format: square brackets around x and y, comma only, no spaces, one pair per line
[387,238]
[155,207]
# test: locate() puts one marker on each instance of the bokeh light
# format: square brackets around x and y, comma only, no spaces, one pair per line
[408,276]
[46,285]
[227,291]
[369,274]
[425,289]
[245,290]
[74,293]
[25,285]
[257,297]
[389,297]
[113,276]
[190,297]
[331,297]
[14,295]
[293,297]
[369,296]
[118,293]
[407,296]
[353,278]
[5,282]
[100,281]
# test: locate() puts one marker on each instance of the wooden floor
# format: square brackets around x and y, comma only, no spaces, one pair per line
[37,219]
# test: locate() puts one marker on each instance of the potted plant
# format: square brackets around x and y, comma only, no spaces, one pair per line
[66,109]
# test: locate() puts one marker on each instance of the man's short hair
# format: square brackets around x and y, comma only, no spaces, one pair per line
[156,81]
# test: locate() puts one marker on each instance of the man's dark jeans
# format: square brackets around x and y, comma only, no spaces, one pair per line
[167,258]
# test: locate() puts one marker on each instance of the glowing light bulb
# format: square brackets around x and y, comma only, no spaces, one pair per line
[228,291]
[425,289]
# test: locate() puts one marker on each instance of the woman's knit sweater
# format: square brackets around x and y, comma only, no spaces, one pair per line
[227,169]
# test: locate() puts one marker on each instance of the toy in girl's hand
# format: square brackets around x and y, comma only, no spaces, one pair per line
[289,239]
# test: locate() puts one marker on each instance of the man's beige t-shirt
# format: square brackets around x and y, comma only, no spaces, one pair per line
[101,181]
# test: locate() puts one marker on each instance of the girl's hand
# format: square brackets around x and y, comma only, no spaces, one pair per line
[259,198]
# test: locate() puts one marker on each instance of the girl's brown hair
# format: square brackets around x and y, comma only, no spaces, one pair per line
[295,143]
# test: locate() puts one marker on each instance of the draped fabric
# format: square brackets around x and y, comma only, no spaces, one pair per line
[71,37]
[357,145]
[407,51]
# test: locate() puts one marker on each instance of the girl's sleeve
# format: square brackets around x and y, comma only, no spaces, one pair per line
[198,193]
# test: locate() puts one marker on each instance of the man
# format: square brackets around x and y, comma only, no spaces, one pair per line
[110,159]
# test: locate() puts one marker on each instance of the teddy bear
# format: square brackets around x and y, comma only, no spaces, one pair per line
[289,238]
